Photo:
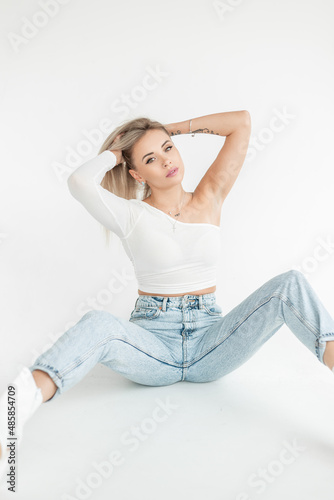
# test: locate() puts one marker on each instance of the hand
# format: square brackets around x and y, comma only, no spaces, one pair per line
[117,152]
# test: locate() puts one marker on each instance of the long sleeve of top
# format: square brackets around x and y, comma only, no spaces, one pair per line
[115,213]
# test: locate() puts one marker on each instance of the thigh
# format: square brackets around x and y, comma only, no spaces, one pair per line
[128,347]
[232,339]
[141,352]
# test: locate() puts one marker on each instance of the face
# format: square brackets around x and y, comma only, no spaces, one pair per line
[154,155]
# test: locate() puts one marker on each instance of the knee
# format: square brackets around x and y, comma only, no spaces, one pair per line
[95,314]
[93,320]
[91,313]
[286,279]
[294,274]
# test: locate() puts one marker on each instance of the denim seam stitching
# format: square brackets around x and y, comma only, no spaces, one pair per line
[322,335]
[244,319]
[75,365]
[85,356]
[55,372]
[139,349]
[212,313]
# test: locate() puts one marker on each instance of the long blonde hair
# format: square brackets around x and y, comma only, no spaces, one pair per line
[118,180]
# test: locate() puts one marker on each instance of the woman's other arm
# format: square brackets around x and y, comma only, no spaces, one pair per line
[114,212]
[222,174]
[218,124]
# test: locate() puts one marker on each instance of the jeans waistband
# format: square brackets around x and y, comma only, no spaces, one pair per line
[182,301]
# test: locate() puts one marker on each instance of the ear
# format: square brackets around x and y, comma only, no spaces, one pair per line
[135,175]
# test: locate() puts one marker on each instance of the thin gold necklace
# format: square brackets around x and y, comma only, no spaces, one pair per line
[170,213]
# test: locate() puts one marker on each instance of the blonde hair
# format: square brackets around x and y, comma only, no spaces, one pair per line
[118,180]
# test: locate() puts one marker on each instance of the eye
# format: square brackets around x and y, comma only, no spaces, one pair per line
[149,160]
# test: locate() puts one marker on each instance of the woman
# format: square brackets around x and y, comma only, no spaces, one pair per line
[176,331]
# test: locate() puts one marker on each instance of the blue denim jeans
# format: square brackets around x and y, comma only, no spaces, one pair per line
[187,338]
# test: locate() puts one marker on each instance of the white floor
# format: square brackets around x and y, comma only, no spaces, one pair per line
[265,431]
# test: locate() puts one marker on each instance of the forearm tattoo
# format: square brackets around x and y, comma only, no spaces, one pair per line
[204,131]
[198,131]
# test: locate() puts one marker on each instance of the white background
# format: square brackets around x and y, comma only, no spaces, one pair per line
[87,64]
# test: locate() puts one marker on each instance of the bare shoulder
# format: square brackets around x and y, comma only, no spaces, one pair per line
[204,209]
[197,209]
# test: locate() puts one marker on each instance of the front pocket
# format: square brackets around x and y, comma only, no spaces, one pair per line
[214,310]
[145,313]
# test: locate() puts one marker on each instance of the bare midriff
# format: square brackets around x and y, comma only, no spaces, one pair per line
[197,292]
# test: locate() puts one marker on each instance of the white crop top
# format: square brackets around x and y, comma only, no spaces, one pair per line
[165,261]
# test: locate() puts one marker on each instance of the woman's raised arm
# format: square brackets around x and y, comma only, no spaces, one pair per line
[115,213]
[222,174]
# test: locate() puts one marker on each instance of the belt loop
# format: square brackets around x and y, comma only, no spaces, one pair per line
[164,301]
[200,301]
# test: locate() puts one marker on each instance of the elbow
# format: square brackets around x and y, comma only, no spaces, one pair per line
[73,184]
[79,187]
[246,118]
[70,181]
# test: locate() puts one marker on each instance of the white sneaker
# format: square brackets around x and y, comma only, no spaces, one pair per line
[28,397]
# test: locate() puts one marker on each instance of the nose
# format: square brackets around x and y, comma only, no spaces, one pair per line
[167,162]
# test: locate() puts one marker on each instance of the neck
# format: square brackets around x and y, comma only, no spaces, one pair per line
[168,199]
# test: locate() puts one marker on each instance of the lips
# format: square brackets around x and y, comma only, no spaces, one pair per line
[172,172]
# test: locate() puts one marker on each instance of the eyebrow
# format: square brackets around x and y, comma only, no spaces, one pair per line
[162,145]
